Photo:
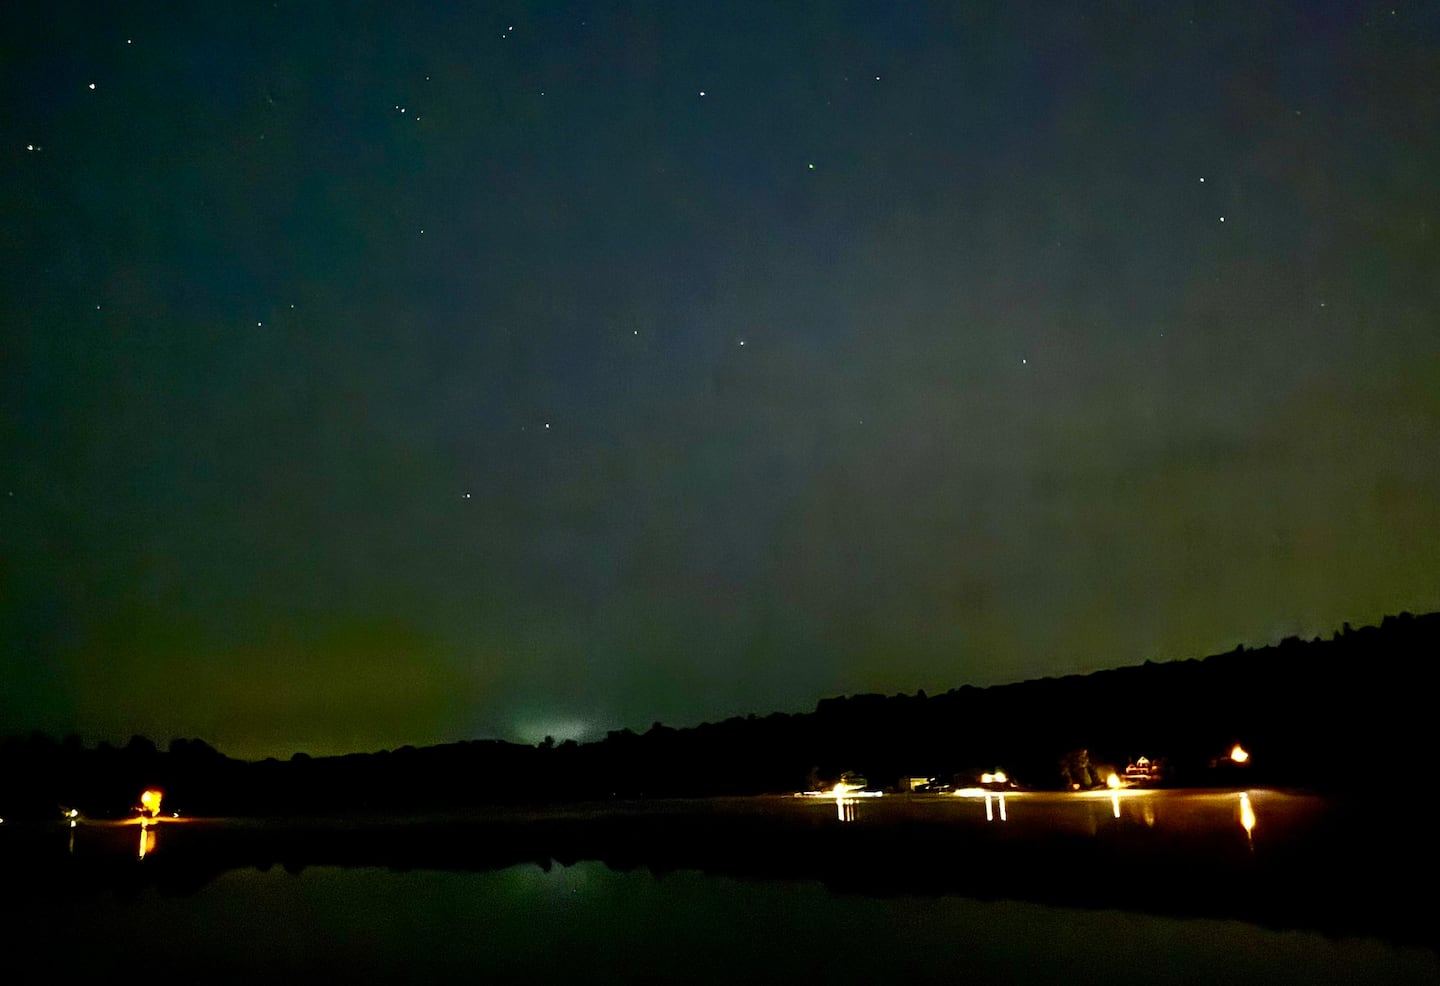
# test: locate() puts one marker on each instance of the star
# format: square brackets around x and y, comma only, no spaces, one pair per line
[92,85]
[702,92]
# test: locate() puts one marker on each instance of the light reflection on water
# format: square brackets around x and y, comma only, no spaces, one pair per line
[588,922]
[147,839]
[281,915]
[1247,815]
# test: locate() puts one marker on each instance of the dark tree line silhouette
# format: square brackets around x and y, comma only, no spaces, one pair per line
[1328,715]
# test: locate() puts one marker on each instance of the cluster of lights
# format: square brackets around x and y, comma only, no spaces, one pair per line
[844,794]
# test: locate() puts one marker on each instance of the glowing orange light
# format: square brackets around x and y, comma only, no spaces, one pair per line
[1115,803]
[1113,782]
[150,802]
[1238,754]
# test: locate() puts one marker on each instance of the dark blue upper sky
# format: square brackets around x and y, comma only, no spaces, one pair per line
[374,375]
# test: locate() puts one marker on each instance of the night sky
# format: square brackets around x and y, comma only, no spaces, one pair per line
[389,373]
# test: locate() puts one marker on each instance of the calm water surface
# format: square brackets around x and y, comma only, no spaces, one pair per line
[428,902]
[589,923]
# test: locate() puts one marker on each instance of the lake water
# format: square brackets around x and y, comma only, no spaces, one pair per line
[587,923]
[102,910]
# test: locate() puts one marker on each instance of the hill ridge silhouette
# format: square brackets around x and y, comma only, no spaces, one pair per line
[1319,714]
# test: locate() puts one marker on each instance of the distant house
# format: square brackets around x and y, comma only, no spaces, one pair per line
[1142,771]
